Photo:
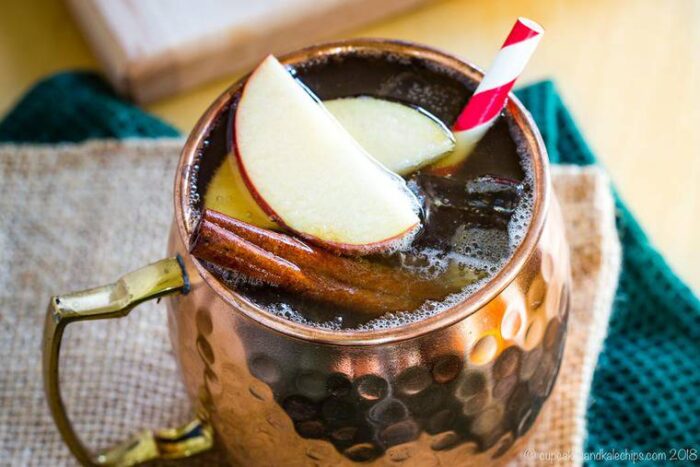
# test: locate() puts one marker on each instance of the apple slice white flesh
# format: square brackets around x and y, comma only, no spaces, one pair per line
[310,175]
[401,138]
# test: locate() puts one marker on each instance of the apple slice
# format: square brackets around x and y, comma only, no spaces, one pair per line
[401,138]
[307,172]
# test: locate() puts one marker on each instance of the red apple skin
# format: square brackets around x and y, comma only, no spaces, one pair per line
[336,247]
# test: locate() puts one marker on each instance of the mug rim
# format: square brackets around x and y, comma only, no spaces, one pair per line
[441,320]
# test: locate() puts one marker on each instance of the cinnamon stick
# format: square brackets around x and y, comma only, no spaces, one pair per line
[356,271]
[224,247]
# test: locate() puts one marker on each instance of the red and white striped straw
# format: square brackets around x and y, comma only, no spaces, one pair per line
[491,95]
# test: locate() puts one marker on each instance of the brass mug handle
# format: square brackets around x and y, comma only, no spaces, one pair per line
[116,300]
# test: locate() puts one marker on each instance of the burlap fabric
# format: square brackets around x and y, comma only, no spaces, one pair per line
[74,216]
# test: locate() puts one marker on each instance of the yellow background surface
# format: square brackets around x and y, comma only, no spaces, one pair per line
[628,69]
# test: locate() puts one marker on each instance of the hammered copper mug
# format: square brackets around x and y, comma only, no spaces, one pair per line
[463,387]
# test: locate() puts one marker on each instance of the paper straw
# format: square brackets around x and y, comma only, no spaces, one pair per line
[491,95]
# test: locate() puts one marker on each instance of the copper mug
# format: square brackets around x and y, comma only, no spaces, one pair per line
[463,387]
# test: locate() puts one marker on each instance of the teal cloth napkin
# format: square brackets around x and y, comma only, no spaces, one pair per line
[646,389]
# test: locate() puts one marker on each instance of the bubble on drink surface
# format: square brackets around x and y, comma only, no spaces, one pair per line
[232,279]
[485,248]
[522,215]
[428,309]
[426,263]
[288,312]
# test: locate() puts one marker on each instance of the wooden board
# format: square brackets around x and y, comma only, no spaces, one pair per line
[151,49]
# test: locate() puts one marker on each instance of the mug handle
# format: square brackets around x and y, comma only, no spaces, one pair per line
[116,300]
